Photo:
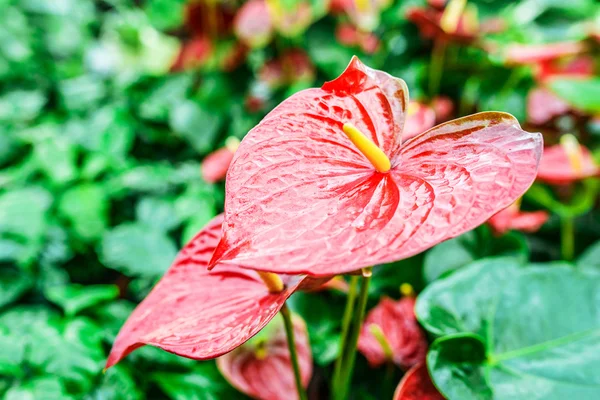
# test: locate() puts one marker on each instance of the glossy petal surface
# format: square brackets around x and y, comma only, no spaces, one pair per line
[197,314]
[556,168]
[416,385]
[398,324]
[264,370]
[302,199]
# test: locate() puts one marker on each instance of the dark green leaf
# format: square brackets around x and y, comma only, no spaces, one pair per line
[196,125]
[538,346]
[133,249]
[86,208]
[75,298]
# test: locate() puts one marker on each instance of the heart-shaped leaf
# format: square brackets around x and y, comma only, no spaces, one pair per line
[524,340]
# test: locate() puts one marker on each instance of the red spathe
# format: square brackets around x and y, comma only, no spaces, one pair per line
[300,198]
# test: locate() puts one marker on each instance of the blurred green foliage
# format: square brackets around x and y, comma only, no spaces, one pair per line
[100,152]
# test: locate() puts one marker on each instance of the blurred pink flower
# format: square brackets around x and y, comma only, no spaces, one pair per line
[513,218]
[391,333]
[566,163]
[253,24]
[261,368]
[215,165]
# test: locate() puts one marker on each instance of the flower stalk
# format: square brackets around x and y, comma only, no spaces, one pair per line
[289,331]
[341,391]
[346,321]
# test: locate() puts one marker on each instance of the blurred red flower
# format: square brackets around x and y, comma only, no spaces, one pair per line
[261,368]
[566,163]
[215,165]
[416,385]
[199,314]
[193,53]
[513,218]
[391,332]
[302,198]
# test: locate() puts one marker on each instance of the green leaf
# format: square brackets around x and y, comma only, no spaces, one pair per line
[456,360]
[117,384]
[86,208]
[204,382]
[21,105]
[455,253]
[322,314]
[81,93]
[450,255]
[23,212]
[70,350]
[580,203]
[165,14]
[133,249]
[538,346]
[157,213]
[47,388]
[57,157]
[196,125]
[12,285]
[580,93]
[75,298]
[590,258]
[156,105]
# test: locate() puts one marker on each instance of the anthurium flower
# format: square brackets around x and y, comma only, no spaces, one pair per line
[567,162]
[215,165]
[416,384]
[253,25]
[200,314]
[513,218]
[391,333]
[323,186]
[261,368]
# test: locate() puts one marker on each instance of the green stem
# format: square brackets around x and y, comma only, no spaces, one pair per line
[567,238]
[436,67]
[289,330]
[341,392]
[346,320]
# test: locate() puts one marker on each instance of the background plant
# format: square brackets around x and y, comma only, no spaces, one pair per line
[102,134]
